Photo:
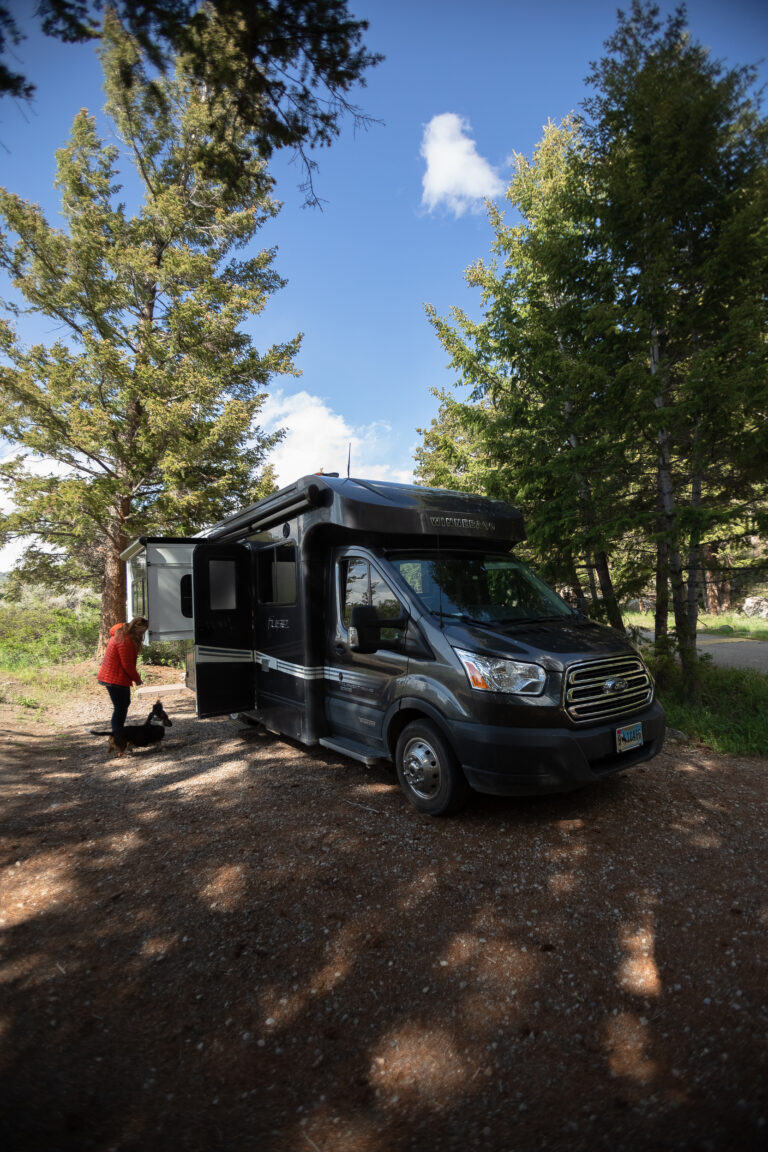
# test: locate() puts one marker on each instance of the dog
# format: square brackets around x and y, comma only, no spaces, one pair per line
[143,735]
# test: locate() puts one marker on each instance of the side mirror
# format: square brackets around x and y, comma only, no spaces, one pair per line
[365,627]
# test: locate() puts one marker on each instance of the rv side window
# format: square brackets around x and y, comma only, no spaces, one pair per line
[277,575]
[185,592]
[139,599]
[139,585]
[221,574]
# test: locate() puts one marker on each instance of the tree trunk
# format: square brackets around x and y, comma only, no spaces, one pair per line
[661,616]
[113,597]
[600,558]
[686,637]
[573,581]
[718,584]
[695,561]
[612,609]
[113,607]
[592,583]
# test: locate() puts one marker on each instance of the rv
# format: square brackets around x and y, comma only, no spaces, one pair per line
[390,621]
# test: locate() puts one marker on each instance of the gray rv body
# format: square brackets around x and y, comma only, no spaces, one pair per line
[265,597]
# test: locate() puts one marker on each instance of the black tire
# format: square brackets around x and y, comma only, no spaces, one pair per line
[428,771]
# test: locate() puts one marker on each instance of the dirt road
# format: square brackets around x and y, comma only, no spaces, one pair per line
[231,943]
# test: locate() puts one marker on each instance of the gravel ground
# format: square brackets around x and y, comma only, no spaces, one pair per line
[234,943]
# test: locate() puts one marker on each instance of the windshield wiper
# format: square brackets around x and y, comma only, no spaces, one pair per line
[530,619]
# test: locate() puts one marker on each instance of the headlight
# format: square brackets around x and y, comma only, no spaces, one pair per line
[490,674]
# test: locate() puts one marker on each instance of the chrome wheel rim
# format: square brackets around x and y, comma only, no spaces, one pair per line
[421,769]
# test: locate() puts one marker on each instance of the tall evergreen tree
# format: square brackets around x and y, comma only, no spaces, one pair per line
[679,154]
[620,371]
[148,403]
[541,365]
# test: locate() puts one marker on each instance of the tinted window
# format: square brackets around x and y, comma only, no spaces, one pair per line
[185,592]
[383,598]
[139,585]
[362,584]
[356,589]
[277,575]
[223,590]
[485,587]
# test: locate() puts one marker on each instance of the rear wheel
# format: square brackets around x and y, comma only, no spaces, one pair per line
[428,771]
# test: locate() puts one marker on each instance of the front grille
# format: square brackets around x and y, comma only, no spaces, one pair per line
[605,689]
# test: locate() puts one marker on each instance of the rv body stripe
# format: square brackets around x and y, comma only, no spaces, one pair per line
[305,672]
[206,655]
[273,664]
[346,676]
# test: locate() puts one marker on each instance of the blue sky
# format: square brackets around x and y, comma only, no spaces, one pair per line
[464,86]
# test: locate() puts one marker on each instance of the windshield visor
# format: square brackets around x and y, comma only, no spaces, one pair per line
[478,587]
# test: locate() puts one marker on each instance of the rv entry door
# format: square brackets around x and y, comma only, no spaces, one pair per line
[224,668]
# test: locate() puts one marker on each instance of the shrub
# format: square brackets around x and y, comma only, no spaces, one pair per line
[171,653]
[732,712]
[44,632]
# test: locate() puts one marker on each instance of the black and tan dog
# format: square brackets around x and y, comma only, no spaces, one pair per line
[143,735]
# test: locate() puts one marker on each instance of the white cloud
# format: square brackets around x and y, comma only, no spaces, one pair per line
[11,553]
[41,466]
[315,438]
[457,176]
[318,438]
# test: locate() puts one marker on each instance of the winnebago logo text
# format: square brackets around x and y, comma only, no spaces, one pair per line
[461,522]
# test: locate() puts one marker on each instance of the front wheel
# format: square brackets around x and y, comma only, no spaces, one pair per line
[428,771]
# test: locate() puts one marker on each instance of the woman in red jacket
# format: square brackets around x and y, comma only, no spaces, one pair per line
[118,668]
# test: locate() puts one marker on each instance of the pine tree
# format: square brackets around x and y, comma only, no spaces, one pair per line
[620,371]
[679,157]
[148,402]
[541,364]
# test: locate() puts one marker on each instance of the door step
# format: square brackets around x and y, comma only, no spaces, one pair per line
[160,689]
[354,748]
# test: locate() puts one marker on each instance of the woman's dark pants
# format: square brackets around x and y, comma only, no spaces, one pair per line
[121,699]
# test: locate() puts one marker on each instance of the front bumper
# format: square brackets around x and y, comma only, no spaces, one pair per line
[535,761]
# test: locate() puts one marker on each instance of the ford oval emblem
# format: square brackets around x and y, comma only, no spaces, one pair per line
[615,685]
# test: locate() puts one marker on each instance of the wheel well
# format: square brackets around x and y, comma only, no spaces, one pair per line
[402,719]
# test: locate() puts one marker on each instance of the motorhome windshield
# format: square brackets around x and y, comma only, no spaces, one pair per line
[482,587]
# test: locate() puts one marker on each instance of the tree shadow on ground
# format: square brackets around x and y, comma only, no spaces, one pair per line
[231,942]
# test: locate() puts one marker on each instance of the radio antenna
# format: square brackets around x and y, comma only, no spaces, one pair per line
[349,458]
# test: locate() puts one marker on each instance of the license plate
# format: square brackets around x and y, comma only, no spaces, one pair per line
[631,736]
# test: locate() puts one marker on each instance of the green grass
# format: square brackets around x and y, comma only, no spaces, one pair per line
[732,713]
[734,623]
[47,651]
[35,689]
[37,634]
[41,643]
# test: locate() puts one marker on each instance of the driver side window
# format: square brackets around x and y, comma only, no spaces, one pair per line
[362,584]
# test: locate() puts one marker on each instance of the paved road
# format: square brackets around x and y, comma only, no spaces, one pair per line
[731,651]
[735,651]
